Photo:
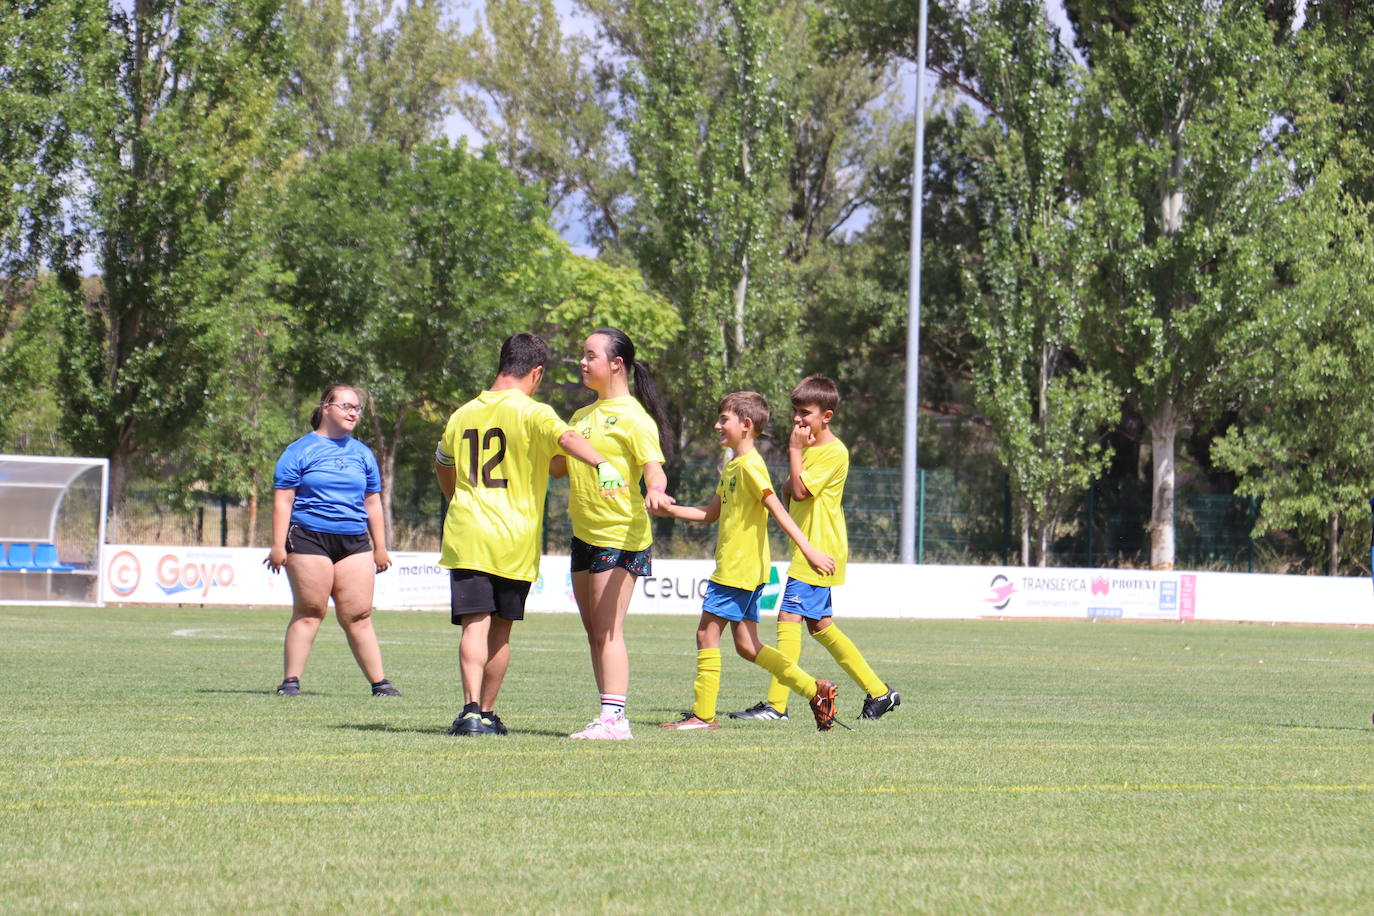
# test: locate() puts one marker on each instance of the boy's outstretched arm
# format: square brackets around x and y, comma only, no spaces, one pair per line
[707,513]
[822,563]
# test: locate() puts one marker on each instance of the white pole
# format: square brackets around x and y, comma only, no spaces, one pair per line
[913,331]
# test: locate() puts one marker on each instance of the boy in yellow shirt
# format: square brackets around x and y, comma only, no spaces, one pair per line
[492,463]
[819,464]
[743,501]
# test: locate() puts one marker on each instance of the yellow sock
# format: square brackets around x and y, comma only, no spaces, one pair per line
[707,684]
[849,657]
[790,645]
[785,671]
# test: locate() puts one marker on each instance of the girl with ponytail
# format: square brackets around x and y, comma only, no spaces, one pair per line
[611,543]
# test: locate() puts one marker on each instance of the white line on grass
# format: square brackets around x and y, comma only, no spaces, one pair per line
[621,794]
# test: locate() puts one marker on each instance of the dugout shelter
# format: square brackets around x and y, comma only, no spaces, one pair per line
[52,528]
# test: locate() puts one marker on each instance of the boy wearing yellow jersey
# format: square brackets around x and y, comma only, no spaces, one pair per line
[819,464]
[493,467]
[743,501]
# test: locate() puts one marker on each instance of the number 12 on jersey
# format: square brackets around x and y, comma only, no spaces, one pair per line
[493,443]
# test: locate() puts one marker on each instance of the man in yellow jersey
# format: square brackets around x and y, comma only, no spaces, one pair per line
[819,464]
[744,499]
[493,467]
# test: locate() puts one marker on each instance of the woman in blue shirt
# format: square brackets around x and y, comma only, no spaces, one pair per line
[327,502]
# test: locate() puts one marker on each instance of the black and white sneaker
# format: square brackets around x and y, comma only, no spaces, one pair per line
[291,687]
[471,724]
[760,712]
[383,688]
[877,707]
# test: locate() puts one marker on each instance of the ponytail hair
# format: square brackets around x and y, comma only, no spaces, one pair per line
[317,415]
[619,345]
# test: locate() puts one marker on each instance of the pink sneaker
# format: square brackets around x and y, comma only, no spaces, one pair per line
[602,729]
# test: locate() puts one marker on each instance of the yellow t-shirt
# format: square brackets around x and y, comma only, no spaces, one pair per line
[821,518]
[500,444]
[742,557]
[626,436]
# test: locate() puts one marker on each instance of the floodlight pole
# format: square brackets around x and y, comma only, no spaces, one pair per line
[913,329]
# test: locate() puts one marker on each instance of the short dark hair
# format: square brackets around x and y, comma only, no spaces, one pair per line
[521,354]
[747,405]
[817,391]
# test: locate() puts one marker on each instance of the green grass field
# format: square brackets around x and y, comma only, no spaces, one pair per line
[1034,766]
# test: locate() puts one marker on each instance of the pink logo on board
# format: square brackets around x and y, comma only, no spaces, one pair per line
[1101,586]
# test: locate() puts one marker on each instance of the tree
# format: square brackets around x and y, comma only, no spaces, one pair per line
[708,104]
[1027,282]
[410,268]
[546,104]
[1183,180]
[372,70]
[188,120]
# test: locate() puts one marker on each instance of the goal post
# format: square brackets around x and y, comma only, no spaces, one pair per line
[52,529]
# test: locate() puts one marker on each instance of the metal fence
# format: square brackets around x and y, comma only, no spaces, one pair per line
[963,517]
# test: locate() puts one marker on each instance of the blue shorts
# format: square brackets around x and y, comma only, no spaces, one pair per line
[732,603]
[806,600]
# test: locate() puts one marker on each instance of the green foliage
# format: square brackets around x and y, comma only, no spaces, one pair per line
[709,94]
[189,122]
[409,269]
[29,413]
[372,70]
[1027,284]
[1298,448]
[593,293]
[52,57]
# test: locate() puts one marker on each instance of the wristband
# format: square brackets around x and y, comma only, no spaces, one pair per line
[659,489]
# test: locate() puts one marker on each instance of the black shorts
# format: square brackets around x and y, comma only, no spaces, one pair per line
[590,558]
[324,544]
[473,592]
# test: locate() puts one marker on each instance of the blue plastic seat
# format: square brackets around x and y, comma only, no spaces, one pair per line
[45,557]
[21,556]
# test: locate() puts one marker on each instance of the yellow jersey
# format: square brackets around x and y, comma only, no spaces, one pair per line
[499,443]
[742,556]
[626,436]
[821,518]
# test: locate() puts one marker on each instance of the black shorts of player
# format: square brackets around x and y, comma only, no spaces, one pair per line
[325,544]
[473,592]
[590,558]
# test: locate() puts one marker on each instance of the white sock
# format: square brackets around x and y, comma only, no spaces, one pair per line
[612,705]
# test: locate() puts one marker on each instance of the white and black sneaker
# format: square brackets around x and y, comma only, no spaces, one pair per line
[761,712]
[877,707]
[384,688]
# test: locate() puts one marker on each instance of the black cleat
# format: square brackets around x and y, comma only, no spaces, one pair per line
[383,688]
[494,722]
[291,687]
[877,707]
[760,712]
[470,725]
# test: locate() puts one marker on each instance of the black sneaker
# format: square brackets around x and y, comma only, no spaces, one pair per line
[471,724]
[494,722]
[760,712]
[877,707]
[291,687]
[383,688]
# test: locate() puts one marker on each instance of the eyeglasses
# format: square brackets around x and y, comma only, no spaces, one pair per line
[356,409]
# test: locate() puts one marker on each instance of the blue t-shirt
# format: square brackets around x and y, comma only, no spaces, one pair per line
[331,477]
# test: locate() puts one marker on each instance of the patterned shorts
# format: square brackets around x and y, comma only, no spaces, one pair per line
[590,558]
